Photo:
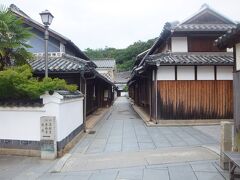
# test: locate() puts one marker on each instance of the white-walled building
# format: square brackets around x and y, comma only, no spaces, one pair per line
[106,67]
[183,75]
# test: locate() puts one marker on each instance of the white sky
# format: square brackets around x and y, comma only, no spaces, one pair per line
[117,23]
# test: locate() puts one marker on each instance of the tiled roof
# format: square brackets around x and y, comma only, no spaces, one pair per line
[206,9]
[70,95]
[191,58]
[105,63]
[203,27]
[58,63]
[230,38]
[122,77]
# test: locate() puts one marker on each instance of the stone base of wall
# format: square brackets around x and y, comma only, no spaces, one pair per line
[173,122]
[70,141]
[19,147]
[33,148]
[20,152]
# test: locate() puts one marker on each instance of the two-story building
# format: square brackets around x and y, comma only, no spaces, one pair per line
[183,75]
[68,62]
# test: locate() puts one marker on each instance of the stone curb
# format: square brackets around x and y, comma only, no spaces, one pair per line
[60,164]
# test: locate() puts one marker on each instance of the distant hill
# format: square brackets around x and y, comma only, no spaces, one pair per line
[124,57]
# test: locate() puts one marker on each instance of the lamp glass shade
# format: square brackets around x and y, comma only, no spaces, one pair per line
[46,17]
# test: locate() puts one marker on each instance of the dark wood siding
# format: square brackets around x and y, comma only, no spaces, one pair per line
[202,44]
[195,99]
[98,101]
[139,91]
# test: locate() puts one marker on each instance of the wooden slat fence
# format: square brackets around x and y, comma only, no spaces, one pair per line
[195,99]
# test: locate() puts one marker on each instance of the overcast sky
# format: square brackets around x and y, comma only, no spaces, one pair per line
[117,23]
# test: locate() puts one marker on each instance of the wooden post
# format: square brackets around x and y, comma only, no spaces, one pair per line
[150,96]
[156,96]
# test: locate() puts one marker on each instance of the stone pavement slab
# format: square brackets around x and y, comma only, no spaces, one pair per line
[153,174]
[130,173]
[89,162]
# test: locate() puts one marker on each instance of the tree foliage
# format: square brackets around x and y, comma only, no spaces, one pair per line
[19,83]
[14,37]
[124,57]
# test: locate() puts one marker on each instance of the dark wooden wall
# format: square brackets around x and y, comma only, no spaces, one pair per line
[195,99]
[203,44]
[98,101]
[140,92]
[91,100]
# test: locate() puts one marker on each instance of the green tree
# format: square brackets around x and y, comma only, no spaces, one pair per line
[124,57]
[14,37]
[18,83]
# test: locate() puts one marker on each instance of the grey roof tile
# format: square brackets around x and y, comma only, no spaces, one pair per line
[105,63]
[122,77]
[62,63]
[192,58]
[70,95]
[203,27]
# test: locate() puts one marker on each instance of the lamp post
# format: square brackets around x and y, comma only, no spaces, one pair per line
[47,18]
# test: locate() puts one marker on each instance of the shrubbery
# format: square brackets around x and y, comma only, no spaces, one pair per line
[19,83]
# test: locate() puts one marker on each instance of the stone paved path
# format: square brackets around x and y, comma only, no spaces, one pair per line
[124,131]
[122,147]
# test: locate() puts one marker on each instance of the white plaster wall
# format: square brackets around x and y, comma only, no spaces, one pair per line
[124,94]
[229,49]
[109,71]
[179,44]
[185,73]
[70,117]
[20,123]
[224,73]
[205,73]
[238,56]
[166,73]
[24,123]
[102,70]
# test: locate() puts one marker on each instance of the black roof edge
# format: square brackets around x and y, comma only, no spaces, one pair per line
[228,39]
[153,63]
[166,32]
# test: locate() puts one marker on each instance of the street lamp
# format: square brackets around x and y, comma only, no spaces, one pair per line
[47,18]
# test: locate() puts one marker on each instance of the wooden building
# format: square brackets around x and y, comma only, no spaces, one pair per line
[99,89]
[68,62]
[232,40]
[183,75]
